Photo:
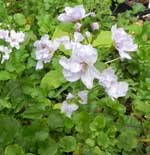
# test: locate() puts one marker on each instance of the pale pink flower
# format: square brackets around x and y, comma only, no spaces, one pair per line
[45,50]
[81,65]
[73,14]
[4,34]
[83,96]
[123,42]
[67,107]
[15,38]
[117,89]
[5,51]
[109,81]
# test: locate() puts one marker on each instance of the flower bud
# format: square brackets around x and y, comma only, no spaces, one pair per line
[77,27]
[95,26]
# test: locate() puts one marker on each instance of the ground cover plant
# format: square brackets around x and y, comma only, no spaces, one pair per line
[74,79]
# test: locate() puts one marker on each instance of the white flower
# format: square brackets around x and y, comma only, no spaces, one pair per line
[5,53]
[15,38]
[95,26]
[78,37]
[107,77]
[83,96]
[68,108]
[45,49]
[73,14]
[70,96]
[69,44]
[117,89]
[123,42]
[4,34]
[65,41]
[114,89]
[88,34]
[81,65]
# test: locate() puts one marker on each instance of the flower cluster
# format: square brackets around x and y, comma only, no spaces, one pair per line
[80,64]
[13,38]
[45,50]
[68,106]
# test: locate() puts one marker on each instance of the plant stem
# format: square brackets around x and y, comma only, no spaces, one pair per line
[112,60]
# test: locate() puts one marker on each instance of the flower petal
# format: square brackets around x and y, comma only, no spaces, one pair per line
[64,18]
[87,78]
[70,76]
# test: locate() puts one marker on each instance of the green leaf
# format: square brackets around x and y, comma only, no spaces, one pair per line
[44,20]
[103,39]
[103,140]
[68,143]
[41,135]
[19,18]
[127,140]
[9,128]
[98,123]
[14,150]
[55,120]
[4,104]
[143,107]
[53,79]
[134,28]
[4,75]
[138,7]
[120,1]
[49,147]
[59,32]
[34,112]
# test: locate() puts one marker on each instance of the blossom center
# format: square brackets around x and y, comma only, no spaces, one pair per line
[84,66]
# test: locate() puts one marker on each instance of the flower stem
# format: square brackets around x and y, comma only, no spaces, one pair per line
[112,60]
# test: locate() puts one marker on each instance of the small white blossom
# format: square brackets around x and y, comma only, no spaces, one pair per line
[45,49]
[5,53]
[73,14]
[83,96]
[95,26]
[123,42]
[88,34]
[114,89]
[15,38]
[68,108]
[65,41]
[81,65]
[117,89]
[78,37]
[4,34]
[107,77]
[70,96]
[69,44]
[92,14]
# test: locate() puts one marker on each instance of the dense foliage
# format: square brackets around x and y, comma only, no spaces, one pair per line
[31,122]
